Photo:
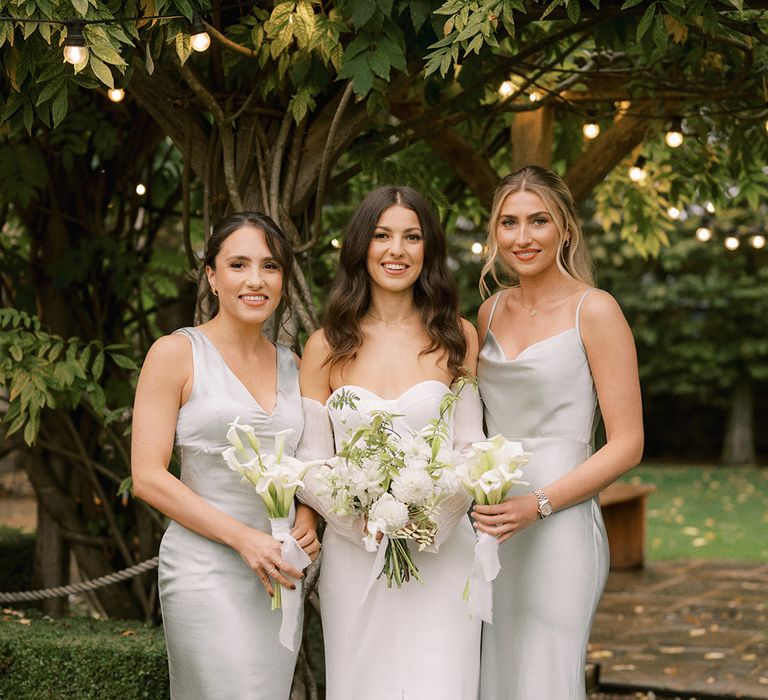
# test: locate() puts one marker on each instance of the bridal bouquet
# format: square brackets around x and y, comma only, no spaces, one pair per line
[396,481]
[489,470]
[275,476]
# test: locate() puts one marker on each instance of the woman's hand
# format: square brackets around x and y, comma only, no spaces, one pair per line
[507,518]
[262,553]
[304,530]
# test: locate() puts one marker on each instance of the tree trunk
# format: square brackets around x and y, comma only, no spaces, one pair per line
[739,442]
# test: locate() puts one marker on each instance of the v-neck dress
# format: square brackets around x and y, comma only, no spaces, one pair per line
[554,571]
[221,633]
[417,642]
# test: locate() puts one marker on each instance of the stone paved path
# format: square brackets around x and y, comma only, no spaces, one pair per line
[697,626]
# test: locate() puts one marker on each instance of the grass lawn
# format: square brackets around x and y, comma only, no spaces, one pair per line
[706,512]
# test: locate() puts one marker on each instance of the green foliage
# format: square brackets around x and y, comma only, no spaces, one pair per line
[41,370]
[17,552]
[44,659]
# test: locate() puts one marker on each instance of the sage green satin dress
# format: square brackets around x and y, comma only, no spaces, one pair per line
[554,571]
[221,633]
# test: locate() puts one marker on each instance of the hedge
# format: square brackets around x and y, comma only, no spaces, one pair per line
[80,658]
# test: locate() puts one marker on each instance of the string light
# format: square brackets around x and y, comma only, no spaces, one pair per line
[200,40]
[674,137]
[591,129]
[709,207]
[704,234]
[141,189]
[731,242]
[534,96]
[506,88]
[757,241]
[335,242]
[477,248]
[673,213]
[637,172]
[75,50]
[116,94]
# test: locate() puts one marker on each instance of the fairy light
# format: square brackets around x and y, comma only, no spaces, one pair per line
[506,88]
[731,243]
[637,172]
[757,241]
[336,243]
[591,128]
[674,137]
[199,40]
[75,50]
[704,234]
[141,189]
[709,207]
[116,94]
[673,213]
[535,96]
[477,248]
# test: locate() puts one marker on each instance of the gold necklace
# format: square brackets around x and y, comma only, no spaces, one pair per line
[533,312]
[392,323]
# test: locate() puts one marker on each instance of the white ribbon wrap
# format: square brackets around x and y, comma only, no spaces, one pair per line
[485,568]
[294,555]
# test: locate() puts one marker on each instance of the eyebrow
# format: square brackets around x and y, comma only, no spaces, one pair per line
[246,258]
[530,216]
[386,228]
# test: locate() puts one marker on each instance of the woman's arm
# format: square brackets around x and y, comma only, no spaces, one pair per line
[164,384]
[613,362]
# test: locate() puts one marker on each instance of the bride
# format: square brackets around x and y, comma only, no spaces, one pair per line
[393,336]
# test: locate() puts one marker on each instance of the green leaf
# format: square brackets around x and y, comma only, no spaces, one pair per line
[17,353]
[362,12]
[123,361]
[59,108]
[645,21]
[183,47]
[30,431]
[101,71]
[81,7]
[573,8]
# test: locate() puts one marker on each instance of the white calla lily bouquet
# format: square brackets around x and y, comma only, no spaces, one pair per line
[275,476]
[395,480]
[489,469]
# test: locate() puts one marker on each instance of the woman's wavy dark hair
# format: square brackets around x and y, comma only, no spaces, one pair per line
[277,243]
[435,293]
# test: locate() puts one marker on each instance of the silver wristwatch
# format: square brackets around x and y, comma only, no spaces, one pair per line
[545,507]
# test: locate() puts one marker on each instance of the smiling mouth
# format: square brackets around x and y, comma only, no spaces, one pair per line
[253,297]
[526,254]
[395,267]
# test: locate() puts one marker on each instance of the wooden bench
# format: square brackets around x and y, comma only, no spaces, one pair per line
[624,507]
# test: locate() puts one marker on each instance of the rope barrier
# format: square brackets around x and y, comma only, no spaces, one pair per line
[91,585]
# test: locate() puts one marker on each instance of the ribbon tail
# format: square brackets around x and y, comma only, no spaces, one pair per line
[485,568]
[292,599]
[378,565]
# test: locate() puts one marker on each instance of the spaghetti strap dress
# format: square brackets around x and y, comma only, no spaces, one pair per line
[221,633]
[553,572]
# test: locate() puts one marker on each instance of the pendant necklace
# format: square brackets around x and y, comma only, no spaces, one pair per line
[532,312]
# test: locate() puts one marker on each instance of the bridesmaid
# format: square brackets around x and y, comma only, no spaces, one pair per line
[555,353]
[394,337]
[218,564]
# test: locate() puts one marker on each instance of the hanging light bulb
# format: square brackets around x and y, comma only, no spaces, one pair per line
[116,94]
[731,242]
[758,241]
[477,248]
[506,88]
[591,128]
[141,189]
[335,242]
[674,137]
[199,40]
[709,207]
[75,50]
[535,96]
[637,171]
[703,234]
[673,213]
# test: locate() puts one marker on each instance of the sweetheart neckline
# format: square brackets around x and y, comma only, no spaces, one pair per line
[489,332]
[396,398]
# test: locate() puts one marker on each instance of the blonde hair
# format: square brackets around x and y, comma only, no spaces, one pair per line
[573,259]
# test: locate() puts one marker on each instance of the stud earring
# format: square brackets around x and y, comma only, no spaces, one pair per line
[214,291]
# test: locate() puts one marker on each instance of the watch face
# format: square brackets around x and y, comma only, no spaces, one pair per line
[545,509]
